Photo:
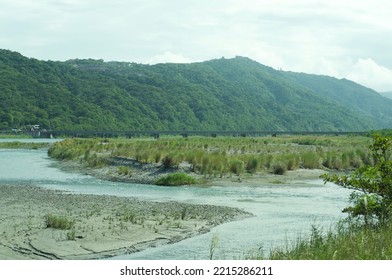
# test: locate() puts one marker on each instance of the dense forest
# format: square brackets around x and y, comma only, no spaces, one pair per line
[221,94]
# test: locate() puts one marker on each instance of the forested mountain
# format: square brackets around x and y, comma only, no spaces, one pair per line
[220,94]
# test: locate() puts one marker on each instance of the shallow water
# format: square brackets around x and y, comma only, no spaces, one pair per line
[281,211]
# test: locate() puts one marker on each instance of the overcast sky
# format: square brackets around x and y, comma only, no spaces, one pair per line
[345,38]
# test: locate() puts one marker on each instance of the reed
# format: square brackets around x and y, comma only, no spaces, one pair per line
[345,242]
[223,155]
[58,222]
[175,179]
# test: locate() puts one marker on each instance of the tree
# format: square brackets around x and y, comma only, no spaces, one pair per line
[372,184]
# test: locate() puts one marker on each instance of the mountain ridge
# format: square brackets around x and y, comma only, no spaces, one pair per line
[219,94]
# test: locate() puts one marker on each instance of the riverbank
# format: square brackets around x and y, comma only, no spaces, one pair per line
[264,159]
[149,173]
[97,226]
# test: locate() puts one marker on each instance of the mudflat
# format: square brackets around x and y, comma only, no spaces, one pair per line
[98,226]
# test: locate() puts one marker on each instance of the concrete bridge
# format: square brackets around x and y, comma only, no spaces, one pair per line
[184,133]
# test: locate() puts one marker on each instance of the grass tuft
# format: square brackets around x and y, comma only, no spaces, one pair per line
[58,222]
[176,179]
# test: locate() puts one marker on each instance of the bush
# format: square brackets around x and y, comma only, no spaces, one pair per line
[124,170]
[310,160]
[237,166]
[168,162]
[58,222]
[176,179]
[372,185]
[279,169]
[292,162]
[346,242]
[252,165]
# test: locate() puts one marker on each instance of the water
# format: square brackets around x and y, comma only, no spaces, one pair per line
[30,140]
[281,211]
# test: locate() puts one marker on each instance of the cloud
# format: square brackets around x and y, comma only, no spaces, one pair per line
[369,73]
[314,36]
[168,57]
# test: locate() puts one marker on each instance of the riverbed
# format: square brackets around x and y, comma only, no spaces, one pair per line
[281,211]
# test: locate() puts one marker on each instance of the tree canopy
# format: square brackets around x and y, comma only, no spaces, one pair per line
[372,184]
[220,94]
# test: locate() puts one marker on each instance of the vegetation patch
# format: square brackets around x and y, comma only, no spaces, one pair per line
[176,179]
[347,242]
[22,145]
[256,97]
[220,156]
[279,169]
[58,222]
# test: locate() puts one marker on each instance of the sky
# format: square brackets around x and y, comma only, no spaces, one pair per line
[345,39]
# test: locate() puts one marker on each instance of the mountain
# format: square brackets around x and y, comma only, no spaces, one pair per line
[220,94]
[387,94]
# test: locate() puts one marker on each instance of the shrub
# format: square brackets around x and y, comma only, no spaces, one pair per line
[168,162]
[96,161]
[279,168]
[310,160]
[292,162]
[372,198]
[124,170]
[237,166]
[252,165]
[157,157]
[58,222]
[71,235]
[346,242]
[176,179]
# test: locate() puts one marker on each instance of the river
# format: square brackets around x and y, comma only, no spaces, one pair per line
[281,212]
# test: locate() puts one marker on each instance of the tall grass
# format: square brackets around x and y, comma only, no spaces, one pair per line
[22,145]
[346,242]
[175,179]
[58,222]
[222,156]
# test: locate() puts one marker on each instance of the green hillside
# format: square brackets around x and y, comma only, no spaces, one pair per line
[349,94]
[221,94]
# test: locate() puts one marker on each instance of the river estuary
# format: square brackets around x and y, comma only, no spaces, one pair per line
[281,212]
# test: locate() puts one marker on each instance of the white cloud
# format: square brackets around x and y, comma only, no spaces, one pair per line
[369,73]
[168,57]
[315,36]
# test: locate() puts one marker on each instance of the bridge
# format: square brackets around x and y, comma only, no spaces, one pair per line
[183,133]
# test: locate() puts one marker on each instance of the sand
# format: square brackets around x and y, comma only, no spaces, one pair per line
[102,226]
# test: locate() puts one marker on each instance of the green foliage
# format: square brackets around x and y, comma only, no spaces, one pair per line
[310,160]
[223,155]
[168,162]
[58,222]
[176,179]
[22,145]
[372,198]
[124,170]
[96,95]
[236,166]
[279,169]
[71,235]
[345,242]
[252,165]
